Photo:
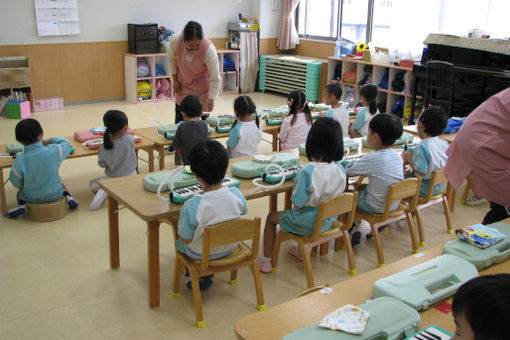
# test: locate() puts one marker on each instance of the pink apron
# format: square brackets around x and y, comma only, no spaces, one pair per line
[192,72]
[482,149]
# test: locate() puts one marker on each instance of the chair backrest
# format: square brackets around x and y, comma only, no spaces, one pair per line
[343,206]
[237,230]
[407,189]
[437,177]
[440,84]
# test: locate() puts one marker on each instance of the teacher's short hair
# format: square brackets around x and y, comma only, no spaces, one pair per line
[192,30]
[191,106]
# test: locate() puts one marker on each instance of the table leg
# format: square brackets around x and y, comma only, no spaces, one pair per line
[288,203]
[161,152]
[150,151]
[273,203]
[153,262]
[113,228]
[275,141]
[2,193]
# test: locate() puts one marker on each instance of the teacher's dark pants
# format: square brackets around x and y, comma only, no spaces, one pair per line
[496,214]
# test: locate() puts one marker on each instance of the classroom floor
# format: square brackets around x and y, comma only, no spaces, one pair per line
[55,278]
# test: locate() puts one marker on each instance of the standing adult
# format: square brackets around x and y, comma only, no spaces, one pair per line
[481,150]
[194,67]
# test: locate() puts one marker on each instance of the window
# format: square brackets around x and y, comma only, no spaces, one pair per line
[354,20]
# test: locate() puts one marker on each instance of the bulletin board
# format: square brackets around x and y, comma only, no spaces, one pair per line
[57,17]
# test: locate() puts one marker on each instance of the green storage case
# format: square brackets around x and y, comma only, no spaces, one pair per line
[427,283]
[252,169]
[406,138]
[401,322]
[350,144]
[14,148]
[163,129]
[479,257]
[181,180]
[319,107]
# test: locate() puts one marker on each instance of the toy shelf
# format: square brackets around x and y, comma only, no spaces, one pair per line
[229,80]
[373,72]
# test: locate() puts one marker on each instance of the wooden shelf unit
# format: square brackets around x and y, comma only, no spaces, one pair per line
[131,76]
[391,97]
[229,81]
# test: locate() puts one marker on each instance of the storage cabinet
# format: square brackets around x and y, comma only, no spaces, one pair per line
[15,83]
[147,68]
[143,39]
[376,72]
[229,79]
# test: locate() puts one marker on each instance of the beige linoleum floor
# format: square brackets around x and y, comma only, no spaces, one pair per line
[55,280]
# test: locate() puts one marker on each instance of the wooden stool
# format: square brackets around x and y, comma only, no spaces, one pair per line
[47,211]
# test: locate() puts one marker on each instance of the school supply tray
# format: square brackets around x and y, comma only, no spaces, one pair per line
[179,196]
[482,258]
[275,175]
[400,322]
[182,179]
[406,138]
[252,168]
[226,119]
[427,283]
[93,133]
[350,144]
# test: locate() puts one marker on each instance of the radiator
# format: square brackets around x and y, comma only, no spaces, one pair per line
[285,73]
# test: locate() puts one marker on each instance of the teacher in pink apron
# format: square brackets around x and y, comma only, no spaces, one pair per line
[194,67]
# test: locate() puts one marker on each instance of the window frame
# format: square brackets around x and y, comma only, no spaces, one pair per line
[339,4]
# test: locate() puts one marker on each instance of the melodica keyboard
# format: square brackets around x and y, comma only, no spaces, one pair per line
[275,175]
[179,196]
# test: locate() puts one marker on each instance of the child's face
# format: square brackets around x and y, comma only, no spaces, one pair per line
[329,99]
[463,330]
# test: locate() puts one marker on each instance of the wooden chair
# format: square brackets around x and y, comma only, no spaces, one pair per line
[440,85]
[232,231]
[438,177]
[407,192]
[343,206]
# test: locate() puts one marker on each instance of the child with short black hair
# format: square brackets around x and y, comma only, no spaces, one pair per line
[117,154]
[332,93]
[35,171]
[245,134]
[191,131]
[295,127]
[384,166]
[320,180]
[367,94]
[481,308]
[430,154]
[209,162]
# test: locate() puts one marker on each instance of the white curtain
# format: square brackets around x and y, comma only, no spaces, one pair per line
[249,59]
[288,37]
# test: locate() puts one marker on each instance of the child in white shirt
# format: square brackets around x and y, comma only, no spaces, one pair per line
[332,93]
[367,95]
[246,133]
[295,127]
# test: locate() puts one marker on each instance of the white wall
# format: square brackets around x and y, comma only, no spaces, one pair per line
[106,20]
[269,20]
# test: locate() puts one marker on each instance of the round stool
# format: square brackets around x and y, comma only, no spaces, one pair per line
[47,211]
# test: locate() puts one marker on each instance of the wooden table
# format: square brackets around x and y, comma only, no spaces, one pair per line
[161,142]
[80,151]
[449,137]
[276,322]
[129,192]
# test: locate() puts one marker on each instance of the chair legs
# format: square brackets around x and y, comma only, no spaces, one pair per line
[305,253]
[276,249]
[197,299]
[258,285]
[378,246]
[421,232]
[446,208]
[412,233]
[177,276]
[233,276]
[350,254]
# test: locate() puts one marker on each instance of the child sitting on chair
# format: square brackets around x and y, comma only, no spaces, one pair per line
[383,166]
[430,154]
[209,162]
[332,93]
[35,171]
[367,94]
[295,127]
[481,308]
[245,134]
[117,154]
[320,180]
[191,131]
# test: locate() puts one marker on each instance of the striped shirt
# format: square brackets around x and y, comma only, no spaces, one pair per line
[384,168]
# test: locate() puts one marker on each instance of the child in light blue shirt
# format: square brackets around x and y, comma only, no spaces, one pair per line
[35,171]
[209,162]
[430,154]
[368,94]
[320,180]
[245,135]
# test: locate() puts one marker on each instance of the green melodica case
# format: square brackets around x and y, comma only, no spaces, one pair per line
[14,148]
[406,138]
[482,258]
[251,168]
[350,144]
[427,283]
[389,319]
[274,112]
[181,180]
[227,119]
[163,129]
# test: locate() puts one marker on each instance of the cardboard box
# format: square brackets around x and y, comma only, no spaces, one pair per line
[49,104]
[14,72]
[18,109]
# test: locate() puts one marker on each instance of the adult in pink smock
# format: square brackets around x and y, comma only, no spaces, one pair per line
[481,150]
[194,66]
